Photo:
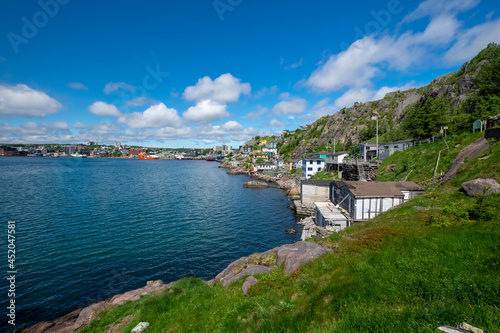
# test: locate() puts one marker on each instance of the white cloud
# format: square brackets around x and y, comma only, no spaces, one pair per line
[439,7]
[385,90]
[229,130]
[140,101]
[321,103]
[31,132]
[104,109]
[156,116]
[206,111]
[224,89]
[22,101]
[473,40]
[352,96]
[115,86]
[364,95]
[292,106]
[258,114]
[295,65]
[440,31]
[266,91]
[276,123]
[80,125]
[169,133]
[77,86]
[369,58]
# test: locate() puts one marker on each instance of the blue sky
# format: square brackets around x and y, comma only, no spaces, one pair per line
[196,73]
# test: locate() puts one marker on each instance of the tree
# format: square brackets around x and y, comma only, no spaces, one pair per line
[259,160]
[117,153]
[354,152]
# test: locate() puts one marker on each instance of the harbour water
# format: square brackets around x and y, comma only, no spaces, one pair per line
[87,229]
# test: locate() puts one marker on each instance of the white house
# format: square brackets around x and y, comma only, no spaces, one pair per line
[311,166]
[387,149]
[365,200]
[334,161]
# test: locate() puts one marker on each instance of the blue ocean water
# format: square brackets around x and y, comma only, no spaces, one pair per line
[87,229]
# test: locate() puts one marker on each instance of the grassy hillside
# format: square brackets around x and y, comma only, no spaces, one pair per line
[432,261]
[417,163]
[454,100]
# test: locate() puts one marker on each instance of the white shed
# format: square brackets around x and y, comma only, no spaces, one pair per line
[365,200]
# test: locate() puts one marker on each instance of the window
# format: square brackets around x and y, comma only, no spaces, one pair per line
[319,169]
[309,169]
[319,162]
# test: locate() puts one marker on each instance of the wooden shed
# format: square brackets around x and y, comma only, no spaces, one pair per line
[365,200]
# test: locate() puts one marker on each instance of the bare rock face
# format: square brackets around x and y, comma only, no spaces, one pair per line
[256,185]
[295,255]
[81,317]
[481,186]
[493,121]
[250,281]
[291,255]
[152,286]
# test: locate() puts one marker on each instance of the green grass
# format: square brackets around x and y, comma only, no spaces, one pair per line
[408,270]
[421,160]
[325,175]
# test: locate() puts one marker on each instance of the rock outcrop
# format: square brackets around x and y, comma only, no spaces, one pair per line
[256,185]
[291,255]
[477,187]
[469,152]
[79,318]
[250,281]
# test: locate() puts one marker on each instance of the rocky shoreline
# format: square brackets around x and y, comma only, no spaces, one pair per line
[292,256]
[285,182]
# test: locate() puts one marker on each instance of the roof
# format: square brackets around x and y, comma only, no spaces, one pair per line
[322,153]
[325,183]
[313,159]
[409,186]
[378,189]
[339,153]
[400,141]
[329,211]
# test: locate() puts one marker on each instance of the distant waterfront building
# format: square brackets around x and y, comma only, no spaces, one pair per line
[225,150]
[69,150]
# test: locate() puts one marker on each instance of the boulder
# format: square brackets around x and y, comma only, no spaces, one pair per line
[134,295]
[88,314]
[256,185]
[291,231]
[493,121]
[250,281]
[250,270]
[140,327]
[481,186]
[295,255]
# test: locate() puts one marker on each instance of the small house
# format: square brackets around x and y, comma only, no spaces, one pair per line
[334,161]
[311,166]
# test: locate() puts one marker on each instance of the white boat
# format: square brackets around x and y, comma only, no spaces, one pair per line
[78,155]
